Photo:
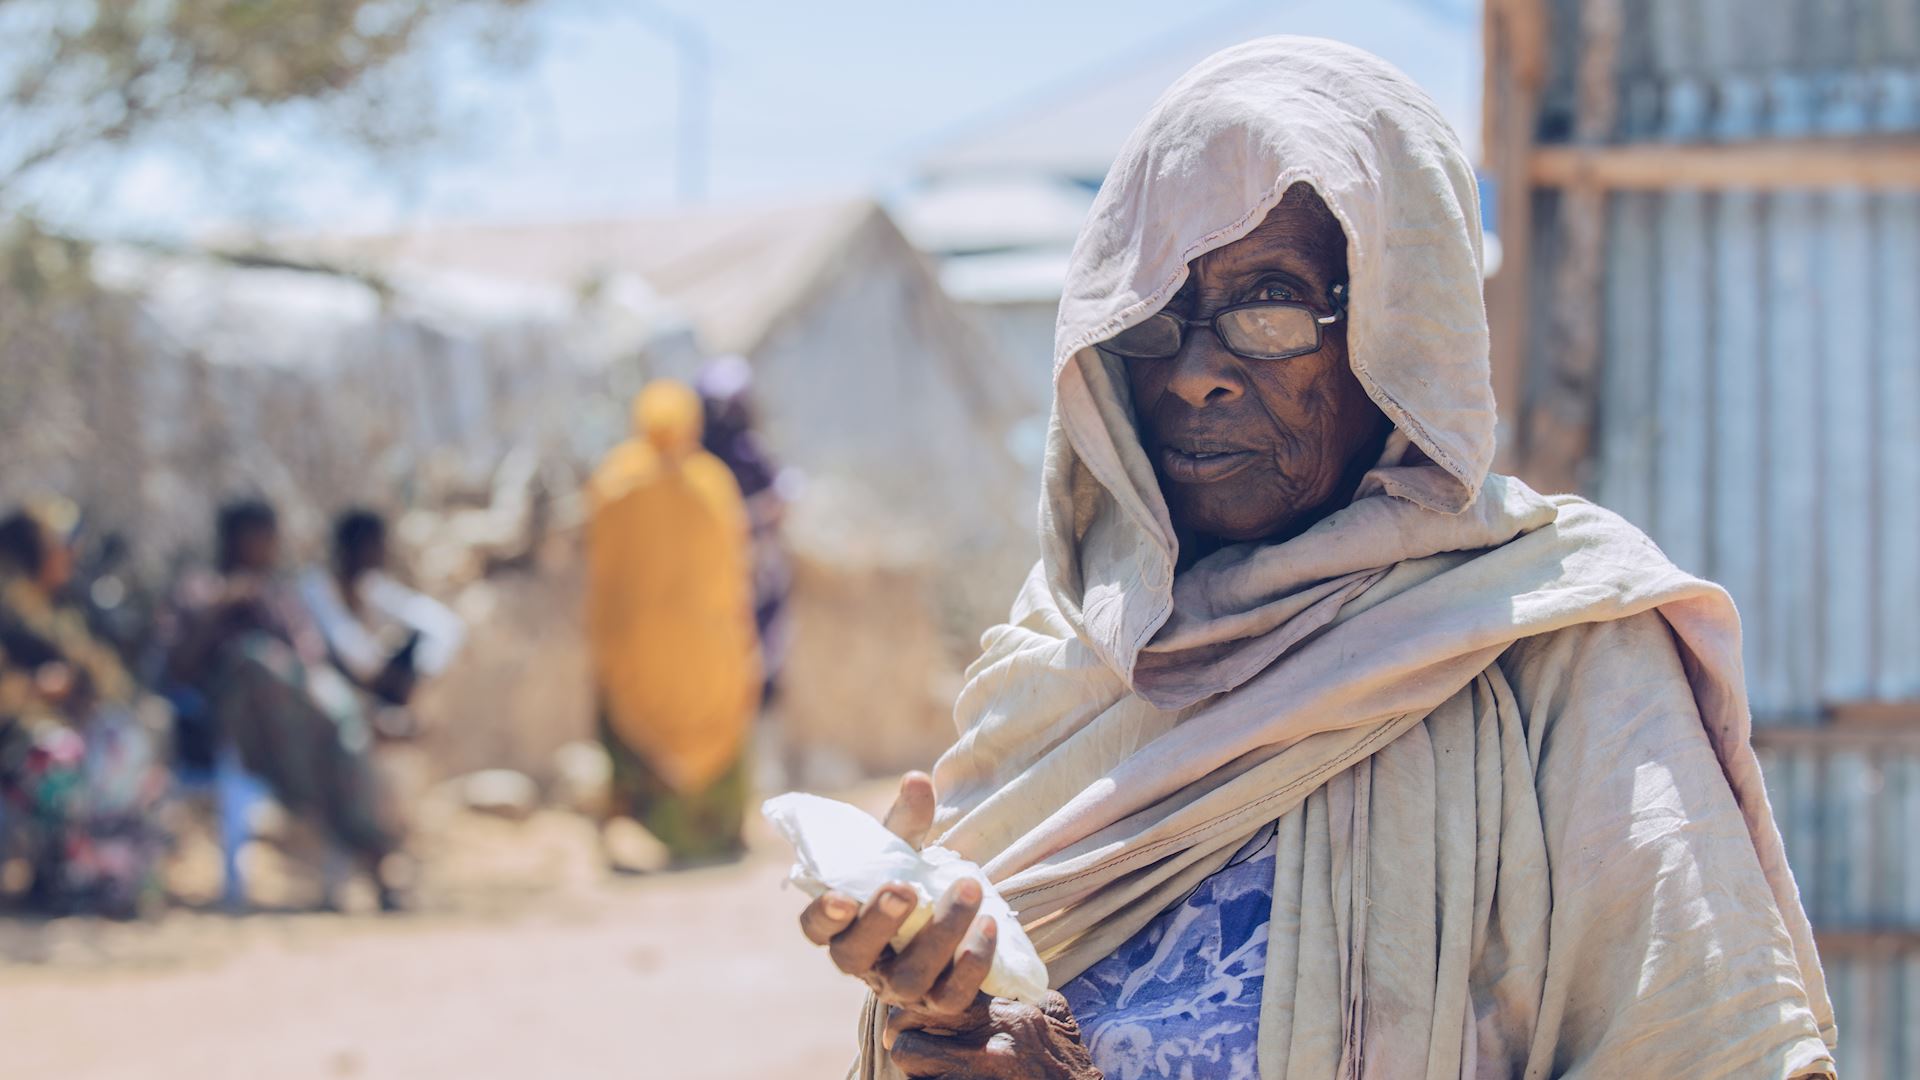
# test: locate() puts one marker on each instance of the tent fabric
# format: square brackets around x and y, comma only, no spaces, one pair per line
[1505,739]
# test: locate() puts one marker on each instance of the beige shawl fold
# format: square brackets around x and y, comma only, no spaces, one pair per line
[1506,741]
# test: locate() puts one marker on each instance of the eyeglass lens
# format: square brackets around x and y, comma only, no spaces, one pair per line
[1269,330]
[1258,331]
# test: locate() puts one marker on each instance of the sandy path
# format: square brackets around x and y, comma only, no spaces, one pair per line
[686,976]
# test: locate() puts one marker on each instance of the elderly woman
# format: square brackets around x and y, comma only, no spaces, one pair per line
[1312,749]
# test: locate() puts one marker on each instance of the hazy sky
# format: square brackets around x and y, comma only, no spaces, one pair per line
[820,97]
[827,96]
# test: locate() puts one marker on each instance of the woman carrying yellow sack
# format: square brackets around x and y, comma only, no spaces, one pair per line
[670,622]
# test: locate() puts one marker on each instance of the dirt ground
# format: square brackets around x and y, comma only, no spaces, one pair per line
[523,959]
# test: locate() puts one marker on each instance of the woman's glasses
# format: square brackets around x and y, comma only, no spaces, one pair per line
[1260,330]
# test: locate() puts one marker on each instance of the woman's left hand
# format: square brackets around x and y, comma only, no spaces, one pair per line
[996,1039]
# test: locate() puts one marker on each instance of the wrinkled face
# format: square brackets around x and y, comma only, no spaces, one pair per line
[1258,449]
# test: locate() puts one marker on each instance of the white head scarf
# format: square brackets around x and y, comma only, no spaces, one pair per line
[1215,154]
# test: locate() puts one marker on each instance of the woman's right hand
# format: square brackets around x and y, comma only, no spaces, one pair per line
[940,970]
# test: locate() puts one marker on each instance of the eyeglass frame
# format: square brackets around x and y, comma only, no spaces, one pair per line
[1338,293]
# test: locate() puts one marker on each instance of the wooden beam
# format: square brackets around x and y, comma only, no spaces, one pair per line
[1878,164]
[1837,737]
[1867,943]
[1875,715]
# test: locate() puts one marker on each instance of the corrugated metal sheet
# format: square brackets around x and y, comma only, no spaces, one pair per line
[1728,70]
[1847,814]
[1760,418]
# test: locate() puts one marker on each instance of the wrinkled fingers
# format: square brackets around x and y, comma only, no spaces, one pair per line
[959,989]
[912,813]
[909,976]
[828,915]
[923,1054]
[857,949]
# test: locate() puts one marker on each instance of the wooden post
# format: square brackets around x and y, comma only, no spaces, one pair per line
[1557,438]
[1514,43]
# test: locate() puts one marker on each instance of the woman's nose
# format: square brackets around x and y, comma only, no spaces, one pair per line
[1204,372]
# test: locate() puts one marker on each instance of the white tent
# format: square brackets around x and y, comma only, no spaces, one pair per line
[915,521]
[867,375]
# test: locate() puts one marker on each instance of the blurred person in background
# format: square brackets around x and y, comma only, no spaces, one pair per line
[82,752]
[258,667]
[379,633]
[731,434]
[670,623]
[1311,747]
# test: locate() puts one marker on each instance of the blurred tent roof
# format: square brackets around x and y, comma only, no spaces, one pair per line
[252,311]
[1074,129]
[992,212]
[868,375]
[731,271]
[1022,276]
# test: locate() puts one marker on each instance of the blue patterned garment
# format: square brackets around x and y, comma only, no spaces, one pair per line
[1181,999]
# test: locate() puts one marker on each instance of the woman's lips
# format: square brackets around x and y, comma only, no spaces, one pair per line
[1202,466]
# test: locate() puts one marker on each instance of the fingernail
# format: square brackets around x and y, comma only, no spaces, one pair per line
[986,928]
[967,891]
[893,903]
[839,907]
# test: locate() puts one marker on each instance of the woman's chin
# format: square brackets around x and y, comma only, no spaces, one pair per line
[1229,516]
